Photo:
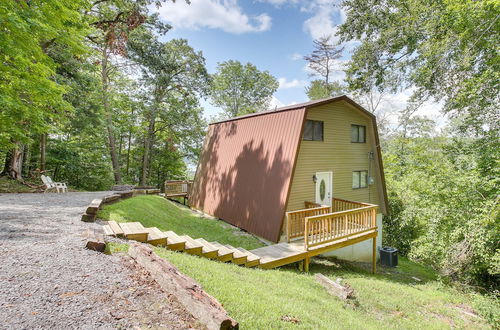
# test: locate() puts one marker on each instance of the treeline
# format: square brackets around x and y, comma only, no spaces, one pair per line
[91,95]
[442,180]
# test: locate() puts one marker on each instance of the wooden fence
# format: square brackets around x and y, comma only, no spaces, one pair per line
[325,228]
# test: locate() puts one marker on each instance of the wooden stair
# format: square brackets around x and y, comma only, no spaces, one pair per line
[266,257]
[185,243]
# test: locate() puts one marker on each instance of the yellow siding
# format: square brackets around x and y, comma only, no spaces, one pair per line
[336,154]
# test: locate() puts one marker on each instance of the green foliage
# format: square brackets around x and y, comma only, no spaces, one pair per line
[444,208]
[29,98]
[446,49]
[156,211]
[318,89]
[240,89]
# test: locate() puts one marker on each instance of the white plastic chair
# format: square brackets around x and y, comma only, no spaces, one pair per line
[49,184]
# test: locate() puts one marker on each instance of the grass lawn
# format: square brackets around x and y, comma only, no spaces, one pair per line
[156,211]
[261,299]
[12,186]
[285,298]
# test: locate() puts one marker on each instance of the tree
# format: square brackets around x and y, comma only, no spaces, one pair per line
[322,59]
[319,89]
[240,89]
[114,20]
[31,101]
[445,50]
[174,76]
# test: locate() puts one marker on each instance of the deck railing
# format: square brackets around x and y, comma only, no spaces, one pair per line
[325,228]
[344,205]
[177,188]
[295,220]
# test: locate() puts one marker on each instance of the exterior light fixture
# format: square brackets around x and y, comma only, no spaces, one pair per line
[315,178]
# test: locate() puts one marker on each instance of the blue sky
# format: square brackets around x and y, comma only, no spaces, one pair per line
[274,35]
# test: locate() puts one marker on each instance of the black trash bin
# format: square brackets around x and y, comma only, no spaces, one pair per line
[389,256]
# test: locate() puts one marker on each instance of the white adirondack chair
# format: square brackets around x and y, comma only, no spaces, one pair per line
[49,184]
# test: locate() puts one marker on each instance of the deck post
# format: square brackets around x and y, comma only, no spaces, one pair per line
[306,263]
[374,255]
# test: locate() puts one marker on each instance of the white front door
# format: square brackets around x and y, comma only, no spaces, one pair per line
[324,188]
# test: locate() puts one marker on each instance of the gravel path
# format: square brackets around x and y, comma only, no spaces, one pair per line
[48,280]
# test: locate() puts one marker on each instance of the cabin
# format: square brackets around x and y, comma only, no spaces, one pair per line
[310,173]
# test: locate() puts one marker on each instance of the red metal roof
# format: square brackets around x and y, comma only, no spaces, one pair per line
[298,106]
[245,170]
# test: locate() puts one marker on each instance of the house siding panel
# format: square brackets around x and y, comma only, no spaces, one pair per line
[245,169]
[336,154]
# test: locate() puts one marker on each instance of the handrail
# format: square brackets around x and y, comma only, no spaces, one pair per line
[325,228]
[295,220]
[339,204]
[177,188]
[310,205]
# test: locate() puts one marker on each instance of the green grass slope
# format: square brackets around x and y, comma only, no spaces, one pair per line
[288,299]
[156,211]
[407,297]
[12,186]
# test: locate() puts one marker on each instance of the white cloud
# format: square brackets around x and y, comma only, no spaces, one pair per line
[284,83]
[278,3]
[225,15]
[321,23]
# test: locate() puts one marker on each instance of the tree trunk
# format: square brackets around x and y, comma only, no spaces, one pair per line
[148,142]
[14,162]
[109,120]
[43,146]
[129,142]
[6,165]
[26,160]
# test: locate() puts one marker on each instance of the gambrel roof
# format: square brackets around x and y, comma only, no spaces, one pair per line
[247,164]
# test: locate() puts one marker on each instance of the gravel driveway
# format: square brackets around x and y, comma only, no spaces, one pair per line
[48,280]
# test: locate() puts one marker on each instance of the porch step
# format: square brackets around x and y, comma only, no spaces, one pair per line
[192,247]
[224,254]
[115,227]
[239,258]
[108,231]
[156,236]
[252,259]
[208,250]
[135,231]
[174,242]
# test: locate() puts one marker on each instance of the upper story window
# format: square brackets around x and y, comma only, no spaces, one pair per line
[359,179]
[313,131]
[358,133]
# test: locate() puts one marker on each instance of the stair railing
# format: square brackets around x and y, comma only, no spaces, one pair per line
[325,228]
[295,220]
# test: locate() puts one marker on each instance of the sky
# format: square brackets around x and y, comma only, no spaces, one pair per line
[274,35]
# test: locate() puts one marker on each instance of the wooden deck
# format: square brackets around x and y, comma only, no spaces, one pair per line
[286,253]
[312,231]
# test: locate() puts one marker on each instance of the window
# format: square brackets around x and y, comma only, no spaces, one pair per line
[358,134]
[313,131]
[359,179]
